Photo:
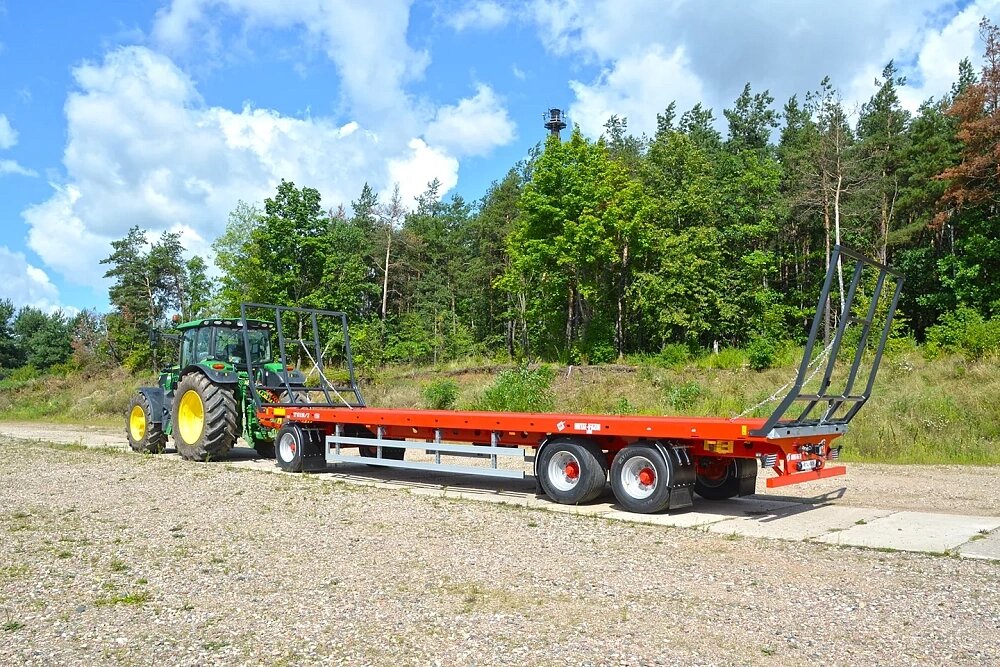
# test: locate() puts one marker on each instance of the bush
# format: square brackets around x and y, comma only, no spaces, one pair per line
[18,377]
[674,354]
[965,332]
[761,354]
[520,389]
[683,396]
[441,394]
[623,407]
[728,359]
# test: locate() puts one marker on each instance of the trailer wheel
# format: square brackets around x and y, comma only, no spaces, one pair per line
[572,471]
[640,479]
[288,445]
[205,418]
[719,479]
[144,435]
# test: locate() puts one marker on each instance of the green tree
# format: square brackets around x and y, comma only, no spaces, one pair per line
[10,353]
[44,339]
[882,132]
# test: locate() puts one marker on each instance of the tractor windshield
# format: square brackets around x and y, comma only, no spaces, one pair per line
[229,346]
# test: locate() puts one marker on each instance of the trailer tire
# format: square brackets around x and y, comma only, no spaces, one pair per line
[572,471]
[205,418]
[724,483]
[144,435]
[288,446]
[640,478]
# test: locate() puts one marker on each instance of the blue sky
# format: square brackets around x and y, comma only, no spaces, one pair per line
[166,114]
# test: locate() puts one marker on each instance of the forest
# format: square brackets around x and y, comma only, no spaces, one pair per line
[592,251]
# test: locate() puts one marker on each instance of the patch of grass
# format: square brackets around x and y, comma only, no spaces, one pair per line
[135,598]
[117,565]
[14,571]
[12,626]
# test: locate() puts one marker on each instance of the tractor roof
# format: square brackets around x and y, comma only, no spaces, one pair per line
[226,323]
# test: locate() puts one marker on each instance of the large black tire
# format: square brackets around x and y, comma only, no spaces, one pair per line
[266,447]
[726,483]
[296,448]
[572,471]
[640,478]
[205,419]
[144,435]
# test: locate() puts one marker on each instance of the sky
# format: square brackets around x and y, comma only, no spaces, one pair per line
[165,114]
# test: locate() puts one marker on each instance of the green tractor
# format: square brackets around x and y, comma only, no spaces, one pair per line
[204,401]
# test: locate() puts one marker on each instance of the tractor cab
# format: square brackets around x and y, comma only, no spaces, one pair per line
[220,341]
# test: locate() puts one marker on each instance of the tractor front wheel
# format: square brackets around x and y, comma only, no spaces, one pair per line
[204,418]
[144,435]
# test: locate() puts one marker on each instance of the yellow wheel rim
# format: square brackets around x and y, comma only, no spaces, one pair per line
[191,417]
[137,423]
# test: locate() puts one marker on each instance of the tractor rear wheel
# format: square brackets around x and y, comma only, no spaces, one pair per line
[205,419]
[144,435]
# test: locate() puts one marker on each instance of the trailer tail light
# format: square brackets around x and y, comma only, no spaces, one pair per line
[218,367]
[834,453]
[768,460]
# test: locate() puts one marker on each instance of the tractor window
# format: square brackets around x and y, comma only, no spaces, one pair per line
[228,346]
[202,344]
[260,346]
[187,347]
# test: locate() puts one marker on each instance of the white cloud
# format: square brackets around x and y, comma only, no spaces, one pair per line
[785,46]
[25,284]
[365,40]
[483,15]
[12,167]
[474,126]
[421,166]
[8,135]
[143,149]
[636,87]
[936,67]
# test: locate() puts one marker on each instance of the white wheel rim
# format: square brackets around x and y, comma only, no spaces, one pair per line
[287,447]
[564,471]
[635,477]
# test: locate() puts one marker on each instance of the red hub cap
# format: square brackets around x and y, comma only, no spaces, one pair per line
[647,476]
[572,470]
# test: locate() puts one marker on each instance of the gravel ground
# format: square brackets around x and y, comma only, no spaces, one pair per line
[113,558]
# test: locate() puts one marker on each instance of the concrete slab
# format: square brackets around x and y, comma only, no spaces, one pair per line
[677,519]
[984,547]
[800,523]
[914,531]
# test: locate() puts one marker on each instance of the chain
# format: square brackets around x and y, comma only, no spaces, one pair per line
[818,362]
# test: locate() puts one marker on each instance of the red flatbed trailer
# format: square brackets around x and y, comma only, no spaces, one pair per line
[653,462]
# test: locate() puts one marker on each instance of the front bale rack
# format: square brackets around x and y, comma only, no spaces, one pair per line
[653,462]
